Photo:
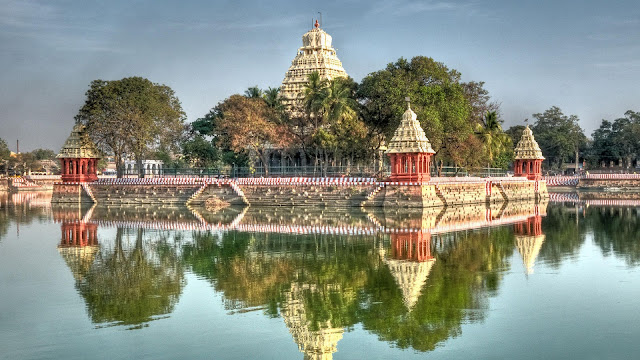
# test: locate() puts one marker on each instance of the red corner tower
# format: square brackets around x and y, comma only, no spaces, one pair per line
[409,150]
[79,157]
[528,159]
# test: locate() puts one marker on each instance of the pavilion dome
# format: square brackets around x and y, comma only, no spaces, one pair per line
[528,148]
[78,145]
[409,136]
[529,247]
[410,276]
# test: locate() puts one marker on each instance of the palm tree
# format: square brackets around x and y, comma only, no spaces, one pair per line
[338,103]
[253,92]
[315,92]
[272,98]
[489,131]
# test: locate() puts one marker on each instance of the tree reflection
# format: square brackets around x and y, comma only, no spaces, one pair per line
[322,284]
[132,287]
[565,235]
[459,283]
[616,231]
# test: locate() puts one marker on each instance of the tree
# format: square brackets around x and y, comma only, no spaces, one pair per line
[515,133]
[247,125]
[4,150]
[44,154]
[495,141]
[479,100]
[132,116]
[559,136]
[200,152]
[253,92]
[437,96]
[616,141]
[5,154]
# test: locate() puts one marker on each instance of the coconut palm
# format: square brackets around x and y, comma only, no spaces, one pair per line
[253,92]
[315,92]
[494,139]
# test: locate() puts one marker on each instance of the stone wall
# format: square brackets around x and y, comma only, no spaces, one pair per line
[463,193]
[624,184]
[110,194]
[69,194]
[408,196]
[341,195]
[307,195]
[516,190]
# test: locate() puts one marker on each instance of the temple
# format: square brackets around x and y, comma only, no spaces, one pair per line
[79,157]
[528,159]
[316,54]
[409,150]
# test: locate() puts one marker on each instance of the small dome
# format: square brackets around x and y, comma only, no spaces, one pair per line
[409,136]
[78,145]
[527,148]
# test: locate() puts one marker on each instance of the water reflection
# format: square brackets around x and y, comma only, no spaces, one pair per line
[411,278]
[23,208]
[122,283]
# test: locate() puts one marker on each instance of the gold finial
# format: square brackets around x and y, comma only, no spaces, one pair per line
[408,100]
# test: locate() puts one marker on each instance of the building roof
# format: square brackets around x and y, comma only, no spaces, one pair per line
[527,148]
[316,54]
[409,136]
[78,145]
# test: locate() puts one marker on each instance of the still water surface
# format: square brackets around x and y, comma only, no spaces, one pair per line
[556,281]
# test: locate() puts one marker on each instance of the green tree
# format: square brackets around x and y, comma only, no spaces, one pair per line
[132,116]
[253,92]
[560,137]
[4,150]
[515,133]
[44,154]
[200,152]
[5,154]
[437,96]
[479,100]
[616,141]
[496,142]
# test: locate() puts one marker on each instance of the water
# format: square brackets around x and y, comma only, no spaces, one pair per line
[556,281]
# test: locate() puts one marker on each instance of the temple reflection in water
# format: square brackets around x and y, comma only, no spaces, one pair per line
[410,277]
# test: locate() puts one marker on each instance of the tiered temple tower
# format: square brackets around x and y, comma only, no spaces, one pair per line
[316,54]
[79,157]
[409,150]
[528,159]
[315,344]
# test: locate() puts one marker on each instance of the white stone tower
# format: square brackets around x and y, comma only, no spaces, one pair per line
[316,54]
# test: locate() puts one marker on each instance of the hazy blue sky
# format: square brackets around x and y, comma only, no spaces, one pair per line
[583,56]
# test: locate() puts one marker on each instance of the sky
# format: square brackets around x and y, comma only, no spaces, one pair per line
[582,56]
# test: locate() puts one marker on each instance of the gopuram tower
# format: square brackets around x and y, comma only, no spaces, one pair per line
[316,54]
